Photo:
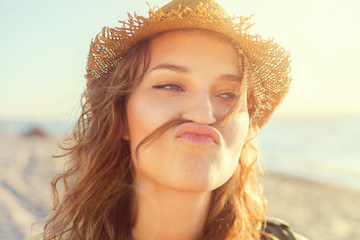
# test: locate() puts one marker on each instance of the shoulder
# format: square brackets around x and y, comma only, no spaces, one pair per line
[280,229]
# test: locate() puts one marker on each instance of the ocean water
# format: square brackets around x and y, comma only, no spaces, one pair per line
[324,149]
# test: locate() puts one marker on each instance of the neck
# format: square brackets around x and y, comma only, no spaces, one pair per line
[164,213]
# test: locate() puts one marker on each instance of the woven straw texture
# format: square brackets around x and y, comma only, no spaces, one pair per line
[268,63]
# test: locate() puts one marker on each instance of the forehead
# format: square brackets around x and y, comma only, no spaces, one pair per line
[195,49]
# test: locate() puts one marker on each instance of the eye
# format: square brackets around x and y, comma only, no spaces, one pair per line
[228,96]
[170,87]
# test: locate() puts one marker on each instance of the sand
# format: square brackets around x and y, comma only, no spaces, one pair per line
[316,210]
[26,167]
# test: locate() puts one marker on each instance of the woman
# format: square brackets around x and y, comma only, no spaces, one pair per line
[164,147]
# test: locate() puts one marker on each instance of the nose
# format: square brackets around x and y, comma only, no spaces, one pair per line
[199,109]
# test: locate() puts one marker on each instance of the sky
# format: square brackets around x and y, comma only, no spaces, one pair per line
[45,43]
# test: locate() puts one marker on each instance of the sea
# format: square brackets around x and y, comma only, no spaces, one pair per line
[322,149]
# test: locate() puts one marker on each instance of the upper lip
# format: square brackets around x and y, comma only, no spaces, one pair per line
[198,128]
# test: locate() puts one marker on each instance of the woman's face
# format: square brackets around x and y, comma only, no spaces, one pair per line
[193,75]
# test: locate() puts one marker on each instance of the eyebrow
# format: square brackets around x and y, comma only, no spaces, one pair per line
[182,69]
[172,67]
[231,77]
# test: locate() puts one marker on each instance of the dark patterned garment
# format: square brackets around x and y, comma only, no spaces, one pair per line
[281,230]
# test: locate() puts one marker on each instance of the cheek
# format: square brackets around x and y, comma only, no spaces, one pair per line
[237,130]
[145,114]
[235,137]
[138,127]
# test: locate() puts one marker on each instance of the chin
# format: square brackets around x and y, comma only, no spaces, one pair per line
[204,182]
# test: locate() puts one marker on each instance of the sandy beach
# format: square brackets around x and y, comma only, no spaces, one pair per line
[315,210]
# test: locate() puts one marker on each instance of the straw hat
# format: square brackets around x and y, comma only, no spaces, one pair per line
[268,62]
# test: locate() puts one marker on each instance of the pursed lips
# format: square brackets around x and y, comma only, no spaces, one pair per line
[199,134]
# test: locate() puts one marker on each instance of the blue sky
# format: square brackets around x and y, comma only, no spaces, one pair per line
[44,47]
